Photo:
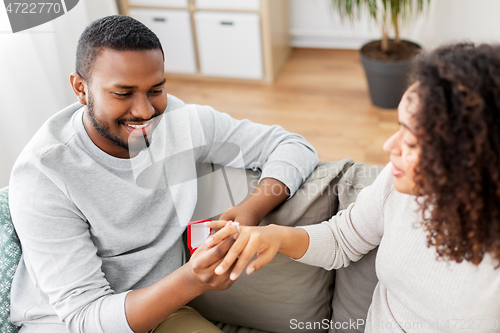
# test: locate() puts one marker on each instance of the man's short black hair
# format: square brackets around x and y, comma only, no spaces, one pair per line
[116,32]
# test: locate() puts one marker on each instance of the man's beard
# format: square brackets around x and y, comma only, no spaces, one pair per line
[103,129]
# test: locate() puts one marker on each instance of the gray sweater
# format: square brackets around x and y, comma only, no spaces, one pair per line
[416,292]
[93,227]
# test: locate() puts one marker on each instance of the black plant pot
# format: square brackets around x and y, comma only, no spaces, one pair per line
[387,81]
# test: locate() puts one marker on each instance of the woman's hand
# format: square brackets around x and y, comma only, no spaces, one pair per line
[265,241]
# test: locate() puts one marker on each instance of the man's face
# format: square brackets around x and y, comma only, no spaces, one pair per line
[125,95]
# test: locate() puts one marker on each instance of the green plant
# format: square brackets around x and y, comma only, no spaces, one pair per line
[387,13]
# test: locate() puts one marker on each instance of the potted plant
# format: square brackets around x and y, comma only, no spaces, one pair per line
[386,61]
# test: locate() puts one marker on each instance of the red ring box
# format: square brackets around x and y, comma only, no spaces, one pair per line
[197,233]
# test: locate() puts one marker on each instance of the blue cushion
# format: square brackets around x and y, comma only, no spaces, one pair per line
[10,254]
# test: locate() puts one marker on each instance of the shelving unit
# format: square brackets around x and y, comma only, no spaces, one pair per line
[222,40]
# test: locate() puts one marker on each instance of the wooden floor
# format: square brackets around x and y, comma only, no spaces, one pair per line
[320,94]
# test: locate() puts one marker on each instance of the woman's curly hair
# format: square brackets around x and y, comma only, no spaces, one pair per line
[458,131]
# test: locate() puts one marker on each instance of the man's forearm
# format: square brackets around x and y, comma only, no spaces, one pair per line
[147,307]
[266,196]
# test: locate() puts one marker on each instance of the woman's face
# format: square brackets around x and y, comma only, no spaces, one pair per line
[402,145]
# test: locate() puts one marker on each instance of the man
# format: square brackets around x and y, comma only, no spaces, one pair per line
[101,195]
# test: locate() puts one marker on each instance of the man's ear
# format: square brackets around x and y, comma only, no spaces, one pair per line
[79,87]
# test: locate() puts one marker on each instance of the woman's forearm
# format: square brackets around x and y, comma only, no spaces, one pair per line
[293,241]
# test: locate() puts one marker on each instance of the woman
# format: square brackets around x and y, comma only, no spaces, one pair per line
[434,210]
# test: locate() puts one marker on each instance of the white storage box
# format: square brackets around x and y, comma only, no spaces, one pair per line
[229,4]
[229,44]
[160,3]
[173,28]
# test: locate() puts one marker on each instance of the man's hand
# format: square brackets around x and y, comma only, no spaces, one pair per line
[147,307]
[241,214]
[201,266]
[266,196]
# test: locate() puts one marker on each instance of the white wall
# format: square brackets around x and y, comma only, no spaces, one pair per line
[34,75]
[450,21]
[313,23]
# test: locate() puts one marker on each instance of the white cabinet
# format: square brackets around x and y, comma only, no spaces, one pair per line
[173,28]
[226,40]
[160,3]
[229,44]
[228,4]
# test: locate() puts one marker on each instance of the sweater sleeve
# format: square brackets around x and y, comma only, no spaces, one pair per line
[59,253]
[279,154]
[352,232]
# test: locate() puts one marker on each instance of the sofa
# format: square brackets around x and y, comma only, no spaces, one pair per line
[285,296]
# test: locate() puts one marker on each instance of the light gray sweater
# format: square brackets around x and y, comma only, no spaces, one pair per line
[416,292]
[93,227]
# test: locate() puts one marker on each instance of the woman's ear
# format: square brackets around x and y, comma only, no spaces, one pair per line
[79,87]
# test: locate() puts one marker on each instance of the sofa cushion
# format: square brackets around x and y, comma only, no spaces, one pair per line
[284,293]
[354,284]
[10,254]
[237,329]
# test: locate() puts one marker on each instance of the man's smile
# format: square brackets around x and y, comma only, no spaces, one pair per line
[139,129]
